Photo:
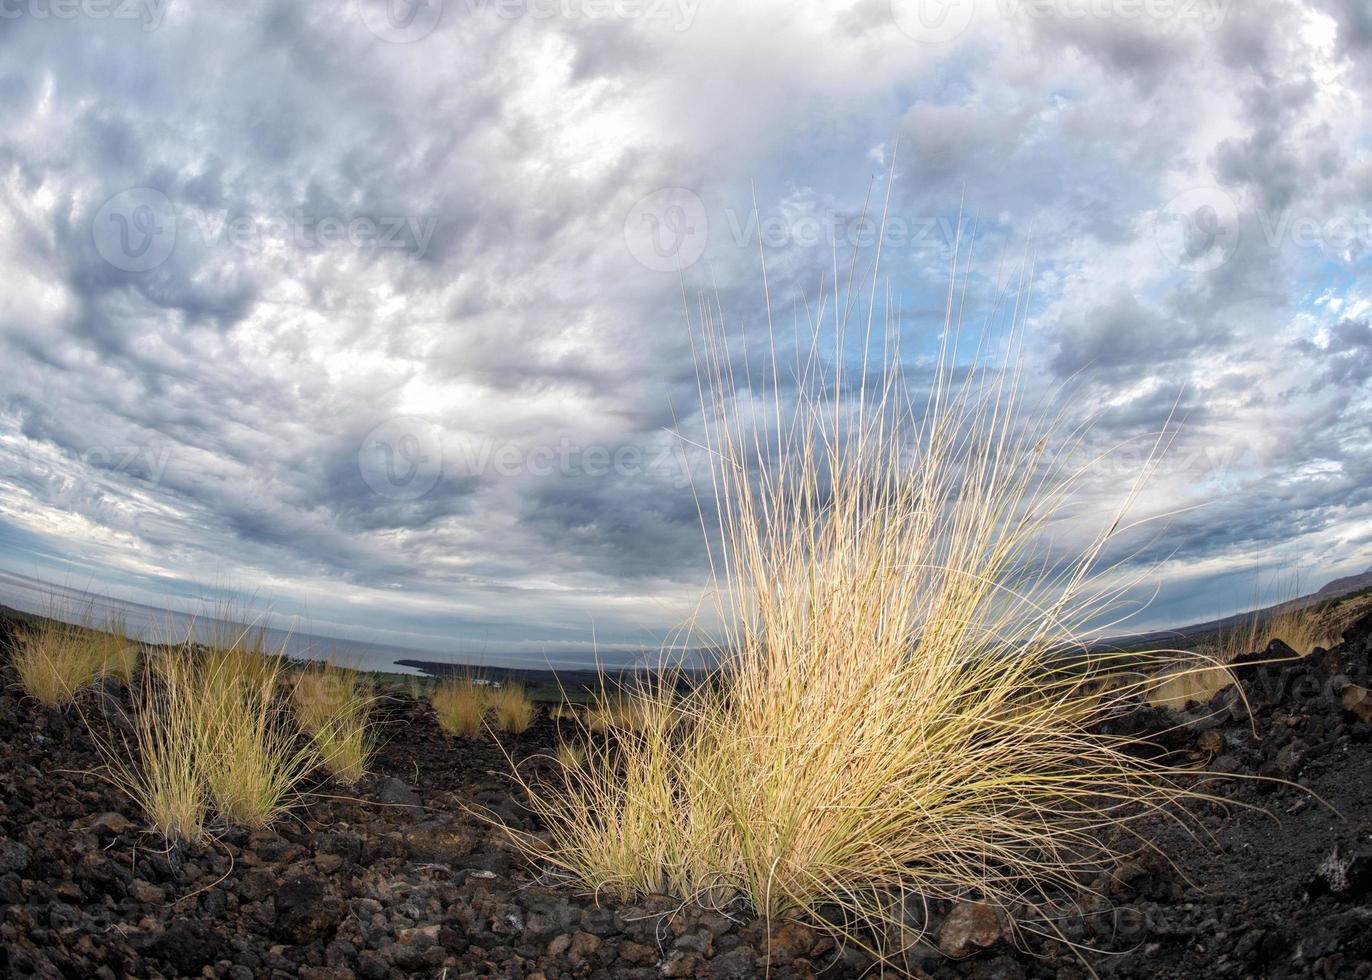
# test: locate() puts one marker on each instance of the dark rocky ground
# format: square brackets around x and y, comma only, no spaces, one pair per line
[402,881]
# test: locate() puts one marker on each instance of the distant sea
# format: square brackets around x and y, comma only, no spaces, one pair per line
[153,624]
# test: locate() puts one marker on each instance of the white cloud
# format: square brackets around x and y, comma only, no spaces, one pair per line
[367,230]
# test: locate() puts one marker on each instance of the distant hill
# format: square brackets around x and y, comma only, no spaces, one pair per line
[1336,589]
[1346,585]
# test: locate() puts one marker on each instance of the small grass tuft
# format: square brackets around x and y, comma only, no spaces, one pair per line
[514,711]
[160,768]
[55,660]
[570,755]
[209,733]
[333,706]
[460,704]
[118,654]
[253,761]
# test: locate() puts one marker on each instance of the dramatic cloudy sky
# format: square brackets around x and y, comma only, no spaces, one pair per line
[371,309]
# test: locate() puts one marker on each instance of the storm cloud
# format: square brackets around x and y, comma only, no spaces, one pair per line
[379,309]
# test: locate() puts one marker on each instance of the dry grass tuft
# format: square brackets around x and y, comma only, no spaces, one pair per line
[1301,629]
[66,652]
[1178,688]
[244,654]
[55,660]
[161,767]
[570,755]
[1338,615]
[118,654]
[209,733]
[254,760]
[905,705]
[333,705]
[623,711]
[599,718]
[563,711]
[514,711]
[460,704]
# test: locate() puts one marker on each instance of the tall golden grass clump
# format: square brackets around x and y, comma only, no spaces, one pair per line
[563,711]
[622,711]
[334,705]
[514,710]
[905,702]
[1340,614]
[65,652]
[460,704]
[253,760]
[161,767]
[243,653]
[1300,629]
[210,732]
[55,660]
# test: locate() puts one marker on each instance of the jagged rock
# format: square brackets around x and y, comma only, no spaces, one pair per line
[146,892]
[1344,875]
[439,841]
[110,823]
[14,856]
[256,884]
[790,941]
[188,944]
[395,792]
[1357,701]
[971,926]
[306,909]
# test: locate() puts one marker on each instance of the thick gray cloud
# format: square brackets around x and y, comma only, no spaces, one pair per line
[383,319]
